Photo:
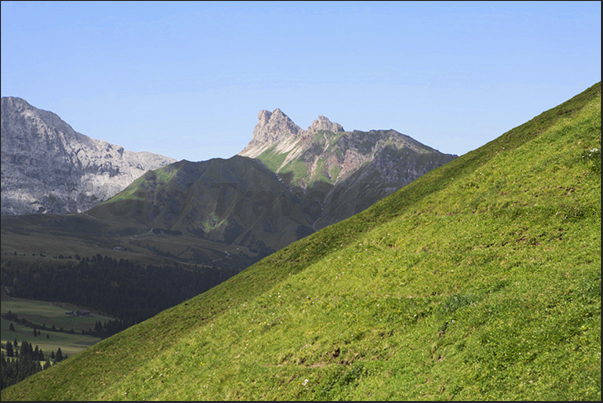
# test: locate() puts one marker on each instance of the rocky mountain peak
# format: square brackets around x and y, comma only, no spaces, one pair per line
[306,159]
[323,123]
[272,126]
[47,127]
[18,104]
[263,118]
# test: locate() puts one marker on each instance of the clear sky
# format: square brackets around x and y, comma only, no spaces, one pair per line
[188,79]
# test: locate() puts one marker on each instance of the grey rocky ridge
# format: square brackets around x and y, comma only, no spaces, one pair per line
[47,167]
[344,172]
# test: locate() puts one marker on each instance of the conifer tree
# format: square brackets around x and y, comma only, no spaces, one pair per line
[9,349]
[24,349]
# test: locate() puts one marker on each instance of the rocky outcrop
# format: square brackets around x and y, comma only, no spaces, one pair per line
[272,128]
[324,124]
[47,167]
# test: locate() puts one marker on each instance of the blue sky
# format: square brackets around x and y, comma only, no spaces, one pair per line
[188,79]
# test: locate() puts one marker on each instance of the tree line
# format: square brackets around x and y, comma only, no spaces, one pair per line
[21,362]
[101,329]
[125,290]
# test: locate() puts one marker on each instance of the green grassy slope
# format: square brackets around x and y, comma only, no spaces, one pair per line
[479,280]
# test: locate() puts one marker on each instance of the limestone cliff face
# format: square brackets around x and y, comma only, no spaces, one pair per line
[47,167]
[272,128]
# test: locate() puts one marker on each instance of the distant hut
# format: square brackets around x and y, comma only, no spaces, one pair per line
[84,312]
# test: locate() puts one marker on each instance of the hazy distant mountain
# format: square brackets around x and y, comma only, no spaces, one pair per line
[342,172]
[47,167]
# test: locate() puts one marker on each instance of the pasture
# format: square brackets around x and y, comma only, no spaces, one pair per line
[40,312]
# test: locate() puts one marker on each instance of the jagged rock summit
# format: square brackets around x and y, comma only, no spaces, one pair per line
[325,152]
[276,132]
[47,167]
[322,123]
[273,125]
[272,128]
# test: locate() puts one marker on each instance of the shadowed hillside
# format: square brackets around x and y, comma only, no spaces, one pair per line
[479,280]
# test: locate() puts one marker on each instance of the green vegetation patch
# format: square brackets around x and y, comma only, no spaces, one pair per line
[333,138]
[213,222]
[272,159]
[299,169]
[40,312]
[151,179]
[68,343]
[319,174]
[166,173]
[129,193]
[334,172]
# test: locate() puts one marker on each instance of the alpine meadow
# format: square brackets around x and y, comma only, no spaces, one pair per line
[480,280]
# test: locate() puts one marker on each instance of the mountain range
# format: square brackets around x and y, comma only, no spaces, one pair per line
[226,212]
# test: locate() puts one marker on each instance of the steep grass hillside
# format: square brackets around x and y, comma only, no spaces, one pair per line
[479,280]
